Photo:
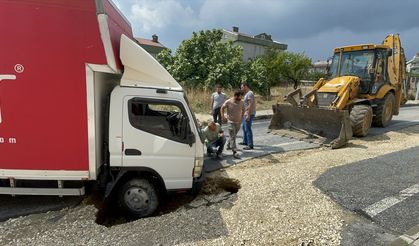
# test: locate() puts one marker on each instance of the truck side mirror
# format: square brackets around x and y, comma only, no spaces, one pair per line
[190,138]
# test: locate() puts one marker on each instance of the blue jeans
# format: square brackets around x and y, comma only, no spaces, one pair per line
[217,146]
[247,131]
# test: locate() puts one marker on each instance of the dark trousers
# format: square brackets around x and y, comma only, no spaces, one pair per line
[216,146]
[216,115]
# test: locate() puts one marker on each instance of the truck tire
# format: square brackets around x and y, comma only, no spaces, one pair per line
[361,118]
[384,111]
[138,198]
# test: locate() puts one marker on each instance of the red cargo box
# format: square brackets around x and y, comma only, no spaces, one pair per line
[50,50]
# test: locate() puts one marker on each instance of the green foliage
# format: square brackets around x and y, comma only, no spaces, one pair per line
[292,67]
[204,61]
[257,76]
[275,68]
[315,76]
[166,59]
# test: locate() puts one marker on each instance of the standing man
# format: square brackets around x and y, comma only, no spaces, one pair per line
[235,111]
[214,138]
[217,100]
[249,115]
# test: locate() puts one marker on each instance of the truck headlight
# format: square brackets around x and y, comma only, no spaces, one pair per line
[198,167]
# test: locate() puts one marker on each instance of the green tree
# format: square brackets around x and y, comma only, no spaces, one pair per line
[292,67]
[257,75]
[165,58]
[315,76]
[275,68]
[204,61]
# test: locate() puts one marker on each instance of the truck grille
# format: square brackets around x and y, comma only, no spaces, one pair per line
[325,98]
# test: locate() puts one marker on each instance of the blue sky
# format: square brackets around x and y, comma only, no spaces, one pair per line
[314,27]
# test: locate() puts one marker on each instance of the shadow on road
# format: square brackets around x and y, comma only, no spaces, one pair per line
[12,207]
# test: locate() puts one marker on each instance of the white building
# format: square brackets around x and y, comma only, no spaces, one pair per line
[413,80]
[253,46]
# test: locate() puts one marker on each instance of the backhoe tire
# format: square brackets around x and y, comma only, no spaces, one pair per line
[361,118]
[384,111]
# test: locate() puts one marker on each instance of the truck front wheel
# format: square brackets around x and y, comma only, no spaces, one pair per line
[138,198]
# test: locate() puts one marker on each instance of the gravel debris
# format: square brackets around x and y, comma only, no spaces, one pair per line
[264,201]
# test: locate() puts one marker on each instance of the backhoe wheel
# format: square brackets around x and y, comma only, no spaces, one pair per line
[138,198]
[361,118]
[384,111]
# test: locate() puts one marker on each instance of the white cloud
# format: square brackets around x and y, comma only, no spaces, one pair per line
[152,15]
[305,25]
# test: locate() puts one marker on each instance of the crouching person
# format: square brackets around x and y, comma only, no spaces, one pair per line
[214,138]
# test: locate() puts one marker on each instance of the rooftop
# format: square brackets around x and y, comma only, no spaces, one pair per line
[150,42]
[260,39]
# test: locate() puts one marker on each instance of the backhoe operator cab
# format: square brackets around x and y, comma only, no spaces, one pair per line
[368,64]
[364,87]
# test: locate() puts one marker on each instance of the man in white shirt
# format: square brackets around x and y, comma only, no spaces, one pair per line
[217,100]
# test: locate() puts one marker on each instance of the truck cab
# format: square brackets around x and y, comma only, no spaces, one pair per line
[154,138]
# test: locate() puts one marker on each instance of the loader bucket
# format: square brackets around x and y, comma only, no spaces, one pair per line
[333,125]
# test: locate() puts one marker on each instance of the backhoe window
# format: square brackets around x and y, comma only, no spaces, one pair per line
[356,63]
[380,67]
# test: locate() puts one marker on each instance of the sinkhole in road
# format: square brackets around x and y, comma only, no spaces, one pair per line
[109,213]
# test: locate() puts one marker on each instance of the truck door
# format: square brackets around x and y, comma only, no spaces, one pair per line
[155,136]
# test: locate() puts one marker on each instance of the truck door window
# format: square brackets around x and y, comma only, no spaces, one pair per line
[164,119]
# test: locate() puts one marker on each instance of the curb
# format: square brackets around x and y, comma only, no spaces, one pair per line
[411,237]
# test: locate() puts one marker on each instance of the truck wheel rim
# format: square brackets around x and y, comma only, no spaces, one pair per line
[136,199]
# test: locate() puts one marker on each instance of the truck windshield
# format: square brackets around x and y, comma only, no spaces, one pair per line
[354,63]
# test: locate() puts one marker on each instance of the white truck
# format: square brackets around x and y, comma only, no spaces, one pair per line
[81,101]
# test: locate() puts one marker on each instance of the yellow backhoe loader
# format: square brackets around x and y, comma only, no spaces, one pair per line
[364,87]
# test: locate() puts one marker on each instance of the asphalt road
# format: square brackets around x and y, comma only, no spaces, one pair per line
[408,116]
[384,191]
[264,144]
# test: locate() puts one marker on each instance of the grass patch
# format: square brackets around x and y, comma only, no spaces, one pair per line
[200,100]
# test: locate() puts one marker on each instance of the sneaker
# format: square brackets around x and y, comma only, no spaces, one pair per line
[248,148]
[242,143]
[236,155]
